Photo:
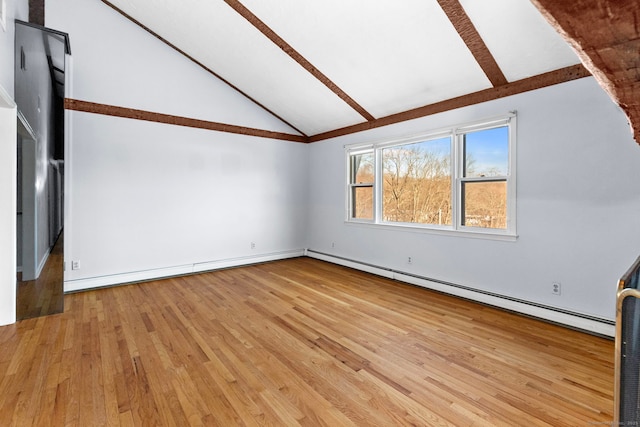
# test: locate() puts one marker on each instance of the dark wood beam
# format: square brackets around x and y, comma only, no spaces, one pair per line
[36,12]
[296,56]
[200,64]
[463,25]
[532,83]
[130,113]
[606,36]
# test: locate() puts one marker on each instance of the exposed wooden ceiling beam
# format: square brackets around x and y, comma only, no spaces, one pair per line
[296,56]
[165,41]
[606,36]
[463,25]
[36,12]
[532,83]
[520,86]
[150,116]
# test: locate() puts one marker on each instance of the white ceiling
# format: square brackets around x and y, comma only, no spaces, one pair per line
[389,56]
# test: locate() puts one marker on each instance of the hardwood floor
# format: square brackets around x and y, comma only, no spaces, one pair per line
[296,342]
[44,295]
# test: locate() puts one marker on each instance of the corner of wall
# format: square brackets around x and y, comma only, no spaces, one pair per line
[8,131]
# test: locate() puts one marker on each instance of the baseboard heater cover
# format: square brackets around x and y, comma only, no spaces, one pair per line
[590,324]
[575,320]
[180,270]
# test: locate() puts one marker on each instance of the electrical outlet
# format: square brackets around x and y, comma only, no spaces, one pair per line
[75,265]
[556,288]
[409,260]
[253,245]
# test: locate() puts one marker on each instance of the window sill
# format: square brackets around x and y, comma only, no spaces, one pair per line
[486,234]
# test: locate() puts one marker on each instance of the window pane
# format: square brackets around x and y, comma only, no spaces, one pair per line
[486,152]
[417,182]
[362,168]
[484,204]
[362,202]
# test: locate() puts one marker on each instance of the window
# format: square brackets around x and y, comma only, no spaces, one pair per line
[416,182]
[483,184]
[458,179]
[361,185]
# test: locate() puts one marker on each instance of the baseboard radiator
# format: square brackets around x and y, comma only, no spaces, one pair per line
[627,374]
[580,321]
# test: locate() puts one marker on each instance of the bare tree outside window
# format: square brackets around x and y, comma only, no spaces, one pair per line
[485,204]
[459,179]
[417,182]
[484,181]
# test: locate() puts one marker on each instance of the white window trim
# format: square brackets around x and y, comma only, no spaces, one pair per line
[456,229]
[348,200]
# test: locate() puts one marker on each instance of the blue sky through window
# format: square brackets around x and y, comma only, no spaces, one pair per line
[488,150]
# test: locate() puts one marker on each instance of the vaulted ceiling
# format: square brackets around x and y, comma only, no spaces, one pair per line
[336,66]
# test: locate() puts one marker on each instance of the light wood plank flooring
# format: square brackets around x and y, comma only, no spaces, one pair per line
[296,342]
[45,295]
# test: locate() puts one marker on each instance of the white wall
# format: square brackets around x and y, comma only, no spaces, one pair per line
[149,199]
[8,129]
[578,205]
[148,196]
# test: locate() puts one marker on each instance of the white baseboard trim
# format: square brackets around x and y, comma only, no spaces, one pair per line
[574,320]
[130,277]
[43,261]
[378,271]
[180,270]
[579,321]
[236,262]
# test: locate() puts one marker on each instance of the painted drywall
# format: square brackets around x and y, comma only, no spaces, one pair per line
[578,204]
[15,9]
[149,197]
[8,131]
[8,159]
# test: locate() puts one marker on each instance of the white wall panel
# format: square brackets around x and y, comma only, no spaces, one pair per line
[8,185]
[578,205]
[149,196]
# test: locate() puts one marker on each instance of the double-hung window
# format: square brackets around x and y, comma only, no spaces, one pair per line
[457,179]
[361,184]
